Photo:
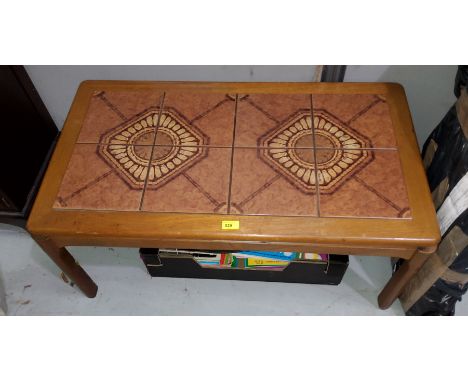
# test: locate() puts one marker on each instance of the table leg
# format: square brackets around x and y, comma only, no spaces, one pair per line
[398,281]
[68,265]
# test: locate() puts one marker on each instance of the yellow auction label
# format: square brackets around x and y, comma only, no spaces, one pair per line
[230,224]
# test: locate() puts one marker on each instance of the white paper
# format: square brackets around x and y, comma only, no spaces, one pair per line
[454,205]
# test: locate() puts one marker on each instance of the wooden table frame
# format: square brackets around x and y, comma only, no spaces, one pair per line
[412,239]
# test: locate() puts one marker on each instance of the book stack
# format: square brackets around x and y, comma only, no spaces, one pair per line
[289,267]
[258,260]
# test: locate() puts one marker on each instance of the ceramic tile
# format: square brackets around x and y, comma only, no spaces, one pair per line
[104,177]
[361,183]
[115,112]
[197,119]
[273,182]
[188,179]
[273,120]
[352,121]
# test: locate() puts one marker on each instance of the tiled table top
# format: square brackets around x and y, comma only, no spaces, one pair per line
[250,154]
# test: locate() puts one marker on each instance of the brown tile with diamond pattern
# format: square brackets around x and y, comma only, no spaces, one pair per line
[267,154]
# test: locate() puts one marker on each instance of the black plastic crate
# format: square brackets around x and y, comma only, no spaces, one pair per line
[329,272]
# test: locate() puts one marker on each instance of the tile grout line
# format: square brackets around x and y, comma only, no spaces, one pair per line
[317,189]
[161,105]
[232,157]
[387,149]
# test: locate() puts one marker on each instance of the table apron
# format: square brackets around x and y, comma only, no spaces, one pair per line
[344,249]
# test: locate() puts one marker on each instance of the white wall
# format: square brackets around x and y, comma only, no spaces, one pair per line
[57,84]
[429,90]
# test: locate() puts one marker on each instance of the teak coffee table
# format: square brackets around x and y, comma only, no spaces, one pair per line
[324,167]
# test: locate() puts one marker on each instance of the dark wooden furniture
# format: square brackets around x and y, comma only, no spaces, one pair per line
[28,136]
[321,167]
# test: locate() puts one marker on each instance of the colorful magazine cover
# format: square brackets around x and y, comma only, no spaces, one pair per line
[261,260]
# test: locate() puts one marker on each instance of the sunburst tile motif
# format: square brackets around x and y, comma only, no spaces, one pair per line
[138,131]
[295,132]
[306,169]
[179,146]
[335,166]
[175,131]
[333,134]
[129,161]
[297,166]
[129,148]
[171,161]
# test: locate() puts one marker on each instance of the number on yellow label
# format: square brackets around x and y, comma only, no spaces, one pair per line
[230,224]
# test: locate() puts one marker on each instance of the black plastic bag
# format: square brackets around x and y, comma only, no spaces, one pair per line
[445,155]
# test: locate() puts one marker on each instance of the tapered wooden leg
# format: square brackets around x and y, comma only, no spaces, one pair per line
[68,265]
[398,281]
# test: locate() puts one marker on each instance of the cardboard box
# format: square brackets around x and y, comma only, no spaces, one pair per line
[161,264]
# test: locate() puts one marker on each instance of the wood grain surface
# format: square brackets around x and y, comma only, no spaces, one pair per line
[375,236]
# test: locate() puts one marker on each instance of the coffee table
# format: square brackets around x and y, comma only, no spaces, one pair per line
[323,167]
